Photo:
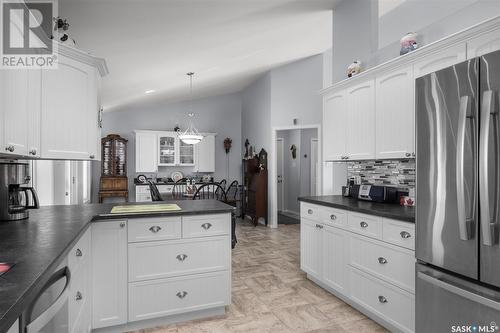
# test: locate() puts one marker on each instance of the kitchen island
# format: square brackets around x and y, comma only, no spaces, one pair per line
[38,245]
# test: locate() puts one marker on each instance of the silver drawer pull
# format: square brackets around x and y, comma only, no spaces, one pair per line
[319,226]
[78,253]
[382,260]
[181,257]
[181,294]
[405,234]
[382,299]
[309,211]
[333,217]
[155,229]
[206,226]
[122,224]
[78,296]
[363,224]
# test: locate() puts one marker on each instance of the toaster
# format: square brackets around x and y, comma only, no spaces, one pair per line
[375,193]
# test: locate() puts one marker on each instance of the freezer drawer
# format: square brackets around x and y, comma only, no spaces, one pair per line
[444,301]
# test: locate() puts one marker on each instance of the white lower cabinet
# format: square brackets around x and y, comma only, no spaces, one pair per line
[368,261]
[162,297]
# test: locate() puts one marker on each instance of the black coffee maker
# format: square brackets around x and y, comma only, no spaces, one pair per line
[15,197]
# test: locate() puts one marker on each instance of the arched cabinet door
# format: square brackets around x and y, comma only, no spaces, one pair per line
[335,126]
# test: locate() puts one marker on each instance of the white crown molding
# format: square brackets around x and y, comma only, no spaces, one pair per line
[84,57]
[409,58]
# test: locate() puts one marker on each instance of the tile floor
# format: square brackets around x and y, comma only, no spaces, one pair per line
[271,294]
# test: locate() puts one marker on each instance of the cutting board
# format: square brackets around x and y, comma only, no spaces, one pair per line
[157,208]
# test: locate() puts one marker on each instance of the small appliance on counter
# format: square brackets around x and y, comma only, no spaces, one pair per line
[14,196]
[376,193]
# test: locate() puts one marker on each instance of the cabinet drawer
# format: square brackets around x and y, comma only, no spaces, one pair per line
[162,297]
[143,189]
[367,225]
[391,263]
[335,217]
[206,225]
[312,212]
[153,260]
[391,303]
[399,233]
[154,228]
[79,253]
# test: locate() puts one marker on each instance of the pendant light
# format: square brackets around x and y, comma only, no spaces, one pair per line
[191,136]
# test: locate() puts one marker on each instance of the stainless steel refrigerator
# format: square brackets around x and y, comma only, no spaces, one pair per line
[458,202]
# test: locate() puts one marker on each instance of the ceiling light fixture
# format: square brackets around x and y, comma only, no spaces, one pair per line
[150,91]
[190,136]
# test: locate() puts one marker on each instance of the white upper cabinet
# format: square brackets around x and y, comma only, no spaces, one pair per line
[395,114]
[20,104]
[440,59]
[483,44]
[335,126]
[186,153]
[146,151]
[361,119]
[167,149]
[205,154]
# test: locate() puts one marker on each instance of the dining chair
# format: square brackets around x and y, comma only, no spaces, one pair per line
[223,184]
[210,191]
[179,188]
[155,194]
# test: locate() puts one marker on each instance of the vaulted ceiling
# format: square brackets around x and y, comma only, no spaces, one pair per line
[152,44]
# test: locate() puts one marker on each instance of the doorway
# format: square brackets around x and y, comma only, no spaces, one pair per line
[296,170]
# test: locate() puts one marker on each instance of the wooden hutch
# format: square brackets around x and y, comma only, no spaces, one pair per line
[255,188]
[114,181]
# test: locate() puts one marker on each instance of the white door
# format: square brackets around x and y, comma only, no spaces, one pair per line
[314,167]
[361,119]
[280,174]
[335,126]
[109,273]
[205,154]
[310,247]
[335,243]
[395,114]
[146,152]
[20,104]
[65,110]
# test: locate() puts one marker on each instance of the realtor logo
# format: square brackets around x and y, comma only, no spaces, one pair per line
[26,31]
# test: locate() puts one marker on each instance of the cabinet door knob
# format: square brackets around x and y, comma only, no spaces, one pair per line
[33,151]
[407,154]
[405,234]
[382,299]
[10,148]
[182,294]
[155,229]
[206,226]
[333,217]
[363,224]
[413,154]
[319,226]
[309,211]
[78,296]
[181,257]
[382,260]
[78,253]
[122,224]
[92,157]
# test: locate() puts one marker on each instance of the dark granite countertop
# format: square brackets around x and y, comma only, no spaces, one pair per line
[37,246]
[392,211]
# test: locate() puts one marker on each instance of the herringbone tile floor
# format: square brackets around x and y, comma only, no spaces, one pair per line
[271,294]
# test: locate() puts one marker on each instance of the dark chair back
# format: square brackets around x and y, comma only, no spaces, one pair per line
[179,188]
[210,191]
[232,191]
[223,184]
[155,194]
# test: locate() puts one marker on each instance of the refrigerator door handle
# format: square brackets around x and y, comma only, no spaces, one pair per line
[442,283]
[464,223]
[488,224]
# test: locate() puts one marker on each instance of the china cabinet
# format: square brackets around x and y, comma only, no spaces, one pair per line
[114,182]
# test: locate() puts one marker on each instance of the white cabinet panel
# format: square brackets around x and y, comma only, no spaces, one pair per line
[66,107]
[395,114]
[311,250]
[162,297]
[483,44]
[20,104]
[168,152]
[206,225]
[335,126]
[335,252]
[162,259]
[109,273]
[205,154]
[146,152]
[361,119]
[439,60]
[94,117]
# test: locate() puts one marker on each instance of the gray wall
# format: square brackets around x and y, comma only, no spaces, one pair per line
[218,114]
[357,30]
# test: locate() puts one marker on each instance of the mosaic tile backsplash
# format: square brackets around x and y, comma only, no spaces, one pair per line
[399,173]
